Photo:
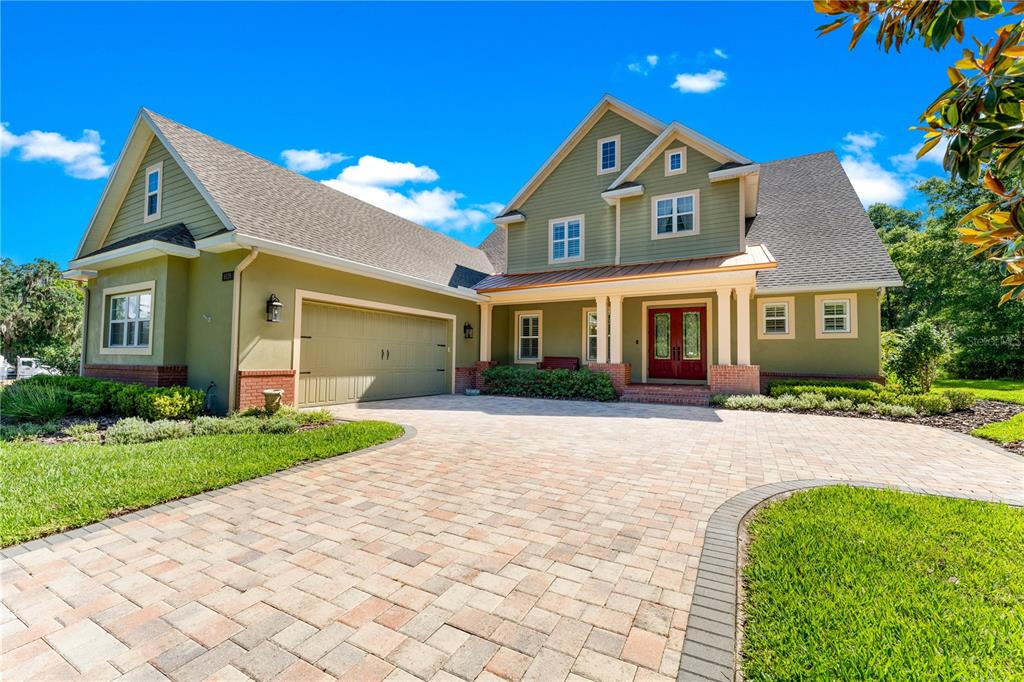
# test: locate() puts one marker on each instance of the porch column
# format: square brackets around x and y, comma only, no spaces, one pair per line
[743,325]
[485,331]
[602,329]
[615,324]
[724,326]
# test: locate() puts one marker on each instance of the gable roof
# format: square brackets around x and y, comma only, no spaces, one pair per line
[177,234]
[810,217]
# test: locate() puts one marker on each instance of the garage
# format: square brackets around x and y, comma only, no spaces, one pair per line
[349,354]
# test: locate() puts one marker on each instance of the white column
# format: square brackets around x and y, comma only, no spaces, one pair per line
[602,329]
[724,326]
[743,325]
[485,331]
[615,325]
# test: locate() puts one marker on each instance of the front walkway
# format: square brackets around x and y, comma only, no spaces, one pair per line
[509,538]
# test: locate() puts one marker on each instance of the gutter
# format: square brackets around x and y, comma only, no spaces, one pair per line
[236,305]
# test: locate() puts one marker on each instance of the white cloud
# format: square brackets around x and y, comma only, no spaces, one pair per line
[80,158]
[700,82]
[377,181]
[872,183]
[308,160]
[644,67]
[861,143]
[720,53]
[652,59]
[908,161]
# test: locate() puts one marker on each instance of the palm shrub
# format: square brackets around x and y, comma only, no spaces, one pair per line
[917,356]
[34,402]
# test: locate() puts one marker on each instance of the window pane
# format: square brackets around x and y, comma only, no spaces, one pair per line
[133,307]
[675,161]
[528,348]
[129,333]
[117,308]
[662,336]
[574,248]
[145,305]
[608,154]
[592,347]
[684,223]
[691,336]
[116,334]
[664,207]
[154,181]
[684,204]
[151,203]
[558,231]
[143,333]
[558,250]
[665,225]
[574,229]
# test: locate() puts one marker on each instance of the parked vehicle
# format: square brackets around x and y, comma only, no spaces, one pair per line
[24,368]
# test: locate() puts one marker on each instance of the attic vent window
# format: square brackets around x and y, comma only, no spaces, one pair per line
[675,161]
[154,184]
[608,154]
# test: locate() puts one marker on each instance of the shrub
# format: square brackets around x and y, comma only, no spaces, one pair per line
[916,357]
[86,404]
[958,398]
[135,430]
[866,408]
[34,401]
[552,383]
[124,399]
[87,432]
[890,410]
[862,384]
[809,401]
[213,426]
[856,395]
[173,402]
[278,424]
[27,431]
[840,405]
[750,402]
[926,403]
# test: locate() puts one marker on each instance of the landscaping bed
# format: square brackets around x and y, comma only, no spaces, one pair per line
[851,583]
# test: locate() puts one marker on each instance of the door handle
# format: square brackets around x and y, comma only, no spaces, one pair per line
[389,354]
[381,353]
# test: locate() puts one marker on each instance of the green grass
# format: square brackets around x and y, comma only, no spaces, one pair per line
[1006,390]
[846,583]
[1008,431]
[48,488]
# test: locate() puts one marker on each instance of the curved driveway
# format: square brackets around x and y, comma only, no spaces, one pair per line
[508,539]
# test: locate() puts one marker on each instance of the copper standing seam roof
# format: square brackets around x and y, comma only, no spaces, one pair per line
[756,257]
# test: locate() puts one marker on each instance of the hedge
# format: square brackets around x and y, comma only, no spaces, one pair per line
[831,392]
[527,382]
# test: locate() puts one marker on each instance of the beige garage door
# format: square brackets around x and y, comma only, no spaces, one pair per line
[353,354]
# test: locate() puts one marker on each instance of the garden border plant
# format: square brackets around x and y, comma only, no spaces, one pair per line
[565,384]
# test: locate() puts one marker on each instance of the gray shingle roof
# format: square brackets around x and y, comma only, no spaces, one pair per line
[809,217]
[264,200]
[177,234]
[496,248]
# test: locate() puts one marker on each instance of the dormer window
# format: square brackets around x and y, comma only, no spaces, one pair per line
[675,161]
[154,183]
[608,154]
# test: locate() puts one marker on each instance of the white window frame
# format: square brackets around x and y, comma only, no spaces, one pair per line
[668,158]
[159,169]
[585,349]
[695,193]
[617,139]
[790,305]
[850,300]
[551,241]
[520,314]
[109,294]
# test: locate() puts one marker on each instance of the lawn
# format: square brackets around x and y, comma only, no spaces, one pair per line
[1006,390]
[849,583]
[1008,431]
[48,488]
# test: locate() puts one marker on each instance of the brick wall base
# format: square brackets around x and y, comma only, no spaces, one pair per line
[478,375]
[745,379]
[767,377]
[465,377]
[619,372]
[147,375]
[252,382]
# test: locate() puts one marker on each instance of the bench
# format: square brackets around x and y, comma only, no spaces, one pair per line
[559,362]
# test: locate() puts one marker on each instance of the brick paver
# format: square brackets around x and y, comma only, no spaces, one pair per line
[509,539]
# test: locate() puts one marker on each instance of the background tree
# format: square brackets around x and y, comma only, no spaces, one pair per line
[40,314]
[979,115]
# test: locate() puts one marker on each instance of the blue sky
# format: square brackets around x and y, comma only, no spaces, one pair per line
[439,111]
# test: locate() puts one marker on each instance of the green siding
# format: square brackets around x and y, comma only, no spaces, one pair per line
[182,202]
[561,329]
[719,213]
[574,188]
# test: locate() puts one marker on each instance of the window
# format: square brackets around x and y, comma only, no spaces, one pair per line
[566,237]
[675,214]
[129,318]
[775,318]
[590,334]
[154,183]
[691,336]
[608,154]
[836,316]
[675,161]
[528,345]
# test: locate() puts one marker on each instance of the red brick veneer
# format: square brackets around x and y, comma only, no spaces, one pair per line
[619,372]
[147,375]
[252,383]
[478,375]
[735,379]
[465,377]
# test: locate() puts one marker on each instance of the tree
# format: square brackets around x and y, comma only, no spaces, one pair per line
[40,314]
[979,115]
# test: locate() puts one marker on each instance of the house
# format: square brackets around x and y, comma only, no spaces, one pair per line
[640,249]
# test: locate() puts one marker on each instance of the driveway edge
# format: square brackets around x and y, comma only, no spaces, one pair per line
[164,507]
[709,646]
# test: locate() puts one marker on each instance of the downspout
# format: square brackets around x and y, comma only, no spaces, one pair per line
[85,330]
[236,306]
[618,230]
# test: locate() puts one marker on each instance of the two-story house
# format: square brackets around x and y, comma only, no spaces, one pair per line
[641,249]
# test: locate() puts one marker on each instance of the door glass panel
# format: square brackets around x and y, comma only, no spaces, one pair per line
[691,336]
[662,336]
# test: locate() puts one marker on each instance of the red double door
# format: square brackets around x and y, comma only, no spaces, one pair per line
[676,343]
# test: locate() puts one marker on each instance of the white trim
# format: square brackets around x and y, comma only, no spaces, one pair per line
[733,173]
[615,328]
[150,248]
[840,286]
[157,168]
[790,306]
[77,275]
[218,243]
[610,196]
[675,303]
[669,153]
[302,295]
[743,218]
[512,219]
[148,286]
[486,330]
[539,314]
[695,193]
[743,297]
[236,306]
[617,139]
[585,346]
[850,299]
[551,244]
[630,288]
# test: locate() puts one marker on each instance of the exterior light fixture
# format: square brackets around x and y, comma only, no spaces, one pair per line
[467,330]
[274,307]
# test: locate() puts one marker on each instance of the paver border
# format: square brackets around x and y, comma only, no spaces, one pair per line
[163,507]
[709,646]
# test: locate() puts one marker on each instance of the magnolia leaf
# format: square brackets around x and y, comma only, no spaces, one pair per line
[1016,52]
[993,184]
[928,146]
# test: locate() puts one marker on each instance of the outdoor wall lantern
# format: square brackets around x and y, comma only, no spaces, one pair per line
[467,330]
[274,307]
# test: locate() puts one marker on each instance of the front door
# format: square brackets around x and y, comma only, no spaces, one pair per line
[676,343]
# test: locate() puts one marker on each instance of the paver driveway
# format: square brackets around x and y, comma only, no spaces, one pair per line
[508,538]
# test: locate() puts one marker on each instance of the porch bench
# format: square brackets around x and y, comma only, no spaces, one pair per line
[559,362]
